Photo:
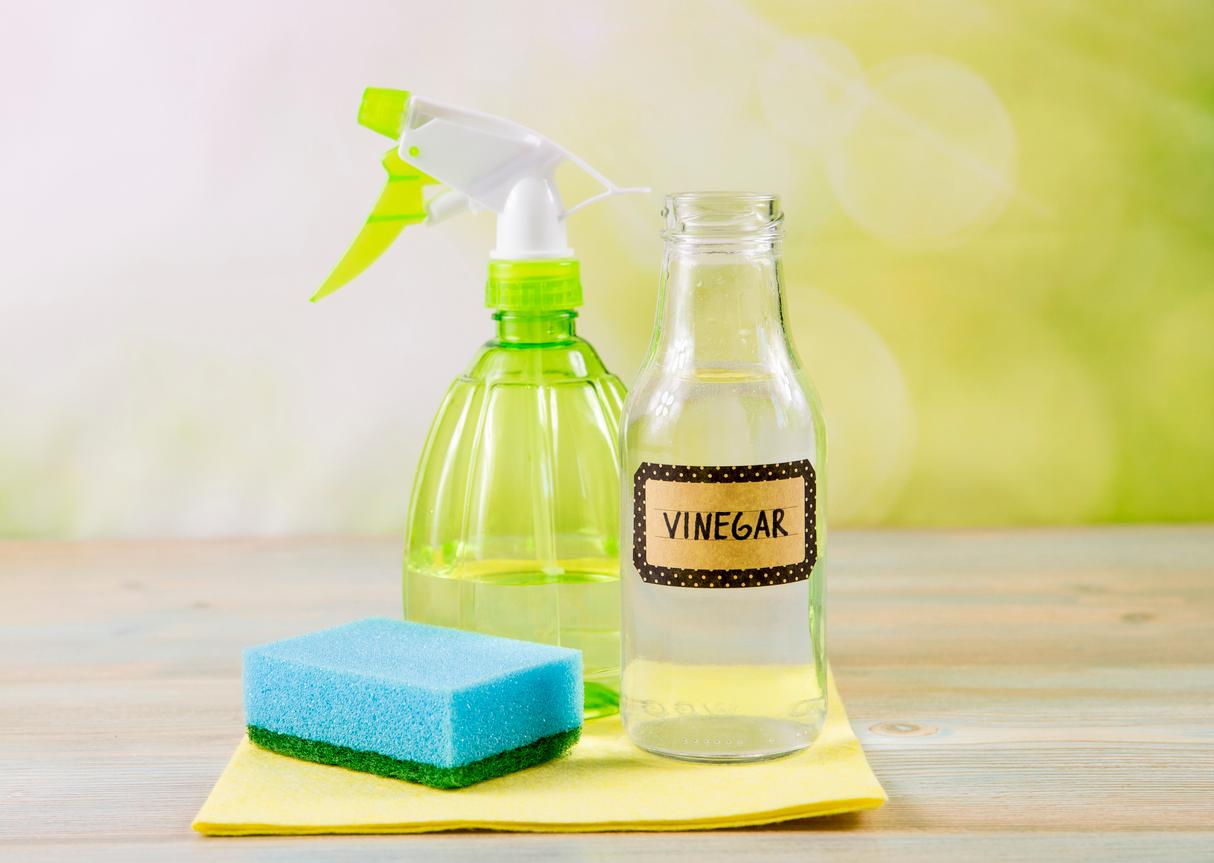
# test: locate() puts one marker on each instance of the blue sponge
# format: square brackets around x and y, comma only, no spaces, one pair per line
[418,702]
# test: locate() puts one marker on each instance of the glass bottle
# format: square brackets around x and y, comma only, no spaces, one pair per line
[512,524]
[723,452]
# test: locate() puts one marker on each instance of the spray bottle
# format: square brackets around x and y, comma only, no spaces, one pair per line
[512,526]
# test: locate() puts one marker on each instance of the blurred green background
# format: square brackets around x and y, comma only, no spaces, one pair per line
[1000,247]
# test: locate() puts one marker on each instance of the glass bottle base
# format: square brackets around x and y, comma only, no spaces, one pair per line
[723,738]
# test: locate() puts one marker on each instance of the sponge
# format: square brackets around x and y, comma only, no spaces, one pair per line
[439,706]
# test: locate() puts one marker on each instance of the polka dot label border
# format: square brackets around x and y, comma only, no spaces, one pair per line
[723,578]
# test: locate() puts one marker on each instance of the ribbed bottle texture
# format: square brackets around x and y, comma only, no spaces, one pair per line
[513,529]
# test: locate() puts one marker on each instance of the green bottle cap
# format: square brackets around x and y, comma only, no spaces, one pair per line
[533,286]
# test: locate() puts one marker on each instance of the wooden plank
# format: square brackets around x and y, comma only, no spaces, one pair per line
[1030,695]
[841,843]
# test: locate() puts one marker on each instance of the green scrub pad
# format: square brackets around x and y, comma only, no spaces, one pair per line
[438,706]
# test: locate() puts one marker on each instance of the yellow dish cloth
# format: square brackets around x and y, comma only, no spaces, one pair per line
[605,783]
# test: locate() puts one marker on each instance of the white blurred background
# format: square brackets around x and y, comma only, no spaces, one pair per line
[179,177]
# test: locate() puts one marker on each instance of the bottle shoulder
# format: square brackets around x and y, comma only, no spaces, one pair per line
[784,383]
[566,360]
[731,415]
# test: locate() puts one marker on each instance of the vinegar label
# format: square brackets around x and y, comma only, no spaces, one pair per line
[724,526]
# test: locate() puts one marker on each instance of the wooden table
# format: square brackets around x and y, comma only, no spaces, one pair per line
[1023,695]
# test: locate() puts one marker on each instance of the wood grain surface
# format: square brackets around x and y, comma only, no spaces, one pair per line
[1023,695]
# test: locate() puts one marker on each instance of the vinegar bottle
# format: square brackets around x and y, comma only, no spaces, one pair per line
[723,452]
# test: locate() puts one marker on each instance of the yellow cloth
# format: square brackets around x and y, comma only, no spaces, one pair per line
[605,783]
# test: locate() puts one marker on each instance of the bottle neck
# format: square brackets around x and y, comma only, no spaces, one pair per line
[721,306]
[535,328]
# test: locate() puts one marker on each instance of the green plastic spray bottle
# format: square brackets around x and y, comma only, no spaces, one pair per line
[512,528]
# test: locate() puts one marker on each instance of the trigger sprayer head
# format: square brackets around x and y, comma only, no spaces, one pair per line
[485,163]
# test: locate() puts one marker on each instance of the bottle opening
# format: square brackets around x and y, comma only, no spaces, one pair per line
[723,217]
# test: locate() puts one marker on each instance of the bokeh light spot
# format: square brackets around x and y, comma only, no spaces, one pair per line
[869,418]
[803,88]
[926,152]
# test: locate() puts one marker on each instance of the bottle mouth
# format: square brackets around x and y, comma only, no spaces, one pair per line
[723,217]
